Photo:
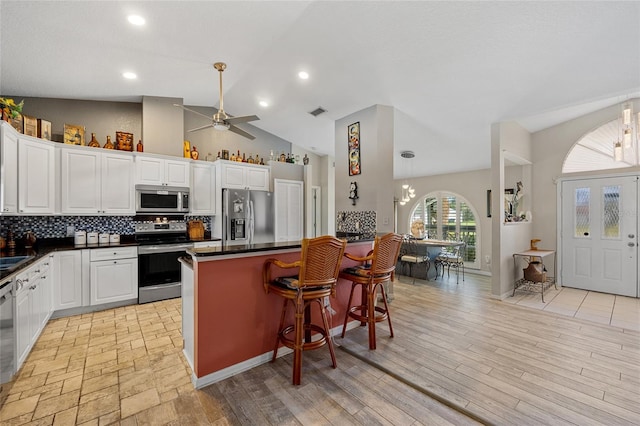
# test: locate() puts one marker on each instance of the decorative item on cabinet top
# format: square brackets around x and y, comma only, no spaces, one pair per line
[124,141]
[44,129]
[10,109]
[30,125]
[73,134]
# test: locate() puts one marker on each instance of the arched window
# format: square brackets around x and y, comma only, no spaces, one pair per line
[448,216]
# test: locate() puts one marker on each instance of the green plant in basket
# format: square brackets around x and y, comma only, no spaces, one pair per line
[10,107]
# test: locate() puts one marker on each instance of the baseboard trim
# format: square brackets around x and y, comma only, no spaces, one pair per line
[225,373]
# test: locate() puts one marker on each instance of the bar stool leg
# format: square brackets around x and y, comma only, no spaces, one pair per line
[323,312]
[297,346]
[284,313]
[371,314]
[386,308]
[346,317]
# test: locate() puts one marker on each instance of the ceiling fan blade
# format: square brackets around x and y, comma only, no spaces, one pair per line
[241,132]
[200,128]
[190,110]
[243,119]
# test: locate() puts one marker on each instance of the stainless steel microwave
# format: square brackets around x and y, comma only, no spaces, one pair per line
[161,199]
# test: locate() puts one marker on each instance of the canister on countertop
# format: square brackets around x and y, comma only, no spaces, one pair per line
[92,238]
[114,238]
[80,238]
[103,238]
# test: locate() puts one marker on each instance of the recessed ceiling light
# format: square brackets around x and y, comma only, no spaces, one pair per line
[136,19]
[129,75]
[263,104]
[303,75]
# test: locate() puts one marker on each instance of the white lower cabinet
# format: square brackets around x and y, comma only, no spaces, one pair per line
[114,275]
[67,285]
[33,305]
[23,331]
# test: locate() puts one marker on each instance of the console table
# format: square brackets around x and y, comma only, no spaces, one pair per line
[528,256]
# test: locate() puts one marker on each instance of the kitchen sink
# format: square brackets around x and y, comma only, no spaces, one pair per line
[10,263]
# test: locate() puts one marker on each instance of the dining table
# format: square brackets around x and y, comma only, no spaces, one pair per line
[432,248]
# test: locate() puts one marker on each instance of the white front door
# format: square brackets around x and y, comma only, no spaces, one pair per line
[599,235]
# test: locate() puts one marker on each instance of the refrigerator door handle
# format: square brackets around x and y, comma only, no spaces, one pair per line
[251,221]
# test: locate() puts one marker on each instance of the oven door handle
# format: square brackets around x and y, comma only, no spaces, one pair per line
[163,248]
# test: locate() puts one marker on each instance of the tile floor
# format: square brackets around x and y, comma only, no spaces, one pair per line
[119,365]
[618,311]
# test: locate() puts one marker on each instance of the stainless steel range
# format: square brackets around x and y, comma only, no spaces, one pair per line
[162,242]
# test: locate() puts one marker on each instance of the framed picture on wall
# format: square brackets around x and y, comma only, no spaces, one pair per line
[73,134]
[353,134]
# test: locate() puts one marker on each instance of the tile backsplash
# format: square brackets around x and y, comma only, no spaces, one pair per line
[356,221]
[56,226]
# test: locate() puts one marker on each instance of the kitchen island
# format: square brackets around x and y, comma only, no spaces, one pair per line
[229,323]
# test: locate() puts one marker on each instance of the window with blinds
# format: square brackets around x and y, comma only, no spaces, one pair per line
[448,216]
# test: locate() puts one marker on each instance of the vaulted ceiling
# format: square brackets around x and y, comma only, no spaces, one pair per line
[450,69]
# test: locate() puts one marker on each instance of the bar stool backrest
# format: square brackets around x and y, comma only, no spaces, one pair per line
[385,254]
[320,261]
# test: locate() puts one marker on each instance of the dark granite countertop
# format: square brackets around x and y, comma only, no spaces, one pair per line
[253,248]
[46,246]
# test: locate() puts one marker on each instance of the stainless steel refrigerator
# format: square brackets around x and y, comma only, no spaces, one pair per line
[248,217]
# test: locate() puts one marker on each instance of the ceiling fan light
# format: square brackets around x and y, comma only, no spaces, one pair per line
[221,126]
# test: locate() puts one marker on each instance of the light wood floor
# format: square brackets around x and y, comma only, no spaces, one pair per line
[504,363]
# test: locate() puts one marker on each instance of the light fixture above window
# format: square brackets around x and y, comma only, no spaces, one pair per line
[625,147]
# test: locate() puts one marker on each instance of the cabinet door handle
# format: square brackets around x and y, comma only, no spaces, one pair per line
[115,262]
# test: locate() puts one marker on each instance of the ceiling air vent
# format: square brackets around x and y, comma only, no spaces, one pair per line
[316,112]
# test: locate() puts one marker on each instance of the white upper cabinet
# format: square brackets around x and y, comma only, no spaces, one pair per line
[158,171]
[203,178]
[117,188]
[36,176]
[96,182]
[288,199]
[80,181]
[8,170]
[243,176]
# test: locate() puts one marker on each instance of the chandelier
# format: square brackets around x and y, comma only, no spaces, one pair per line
[626,146]
[407,190]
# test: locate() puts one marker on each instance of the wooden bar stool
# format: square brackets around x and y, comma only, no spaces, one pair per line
[318,272]
[377,268]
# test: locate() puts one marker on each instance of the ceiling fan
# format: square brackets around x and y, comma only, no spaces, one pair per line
[221,120]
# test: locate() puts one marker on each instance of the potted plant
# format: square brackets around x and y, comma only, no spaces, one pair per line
[10,109]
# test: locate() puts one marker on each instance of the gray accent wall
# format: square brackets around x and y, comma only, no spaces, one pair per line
[162,126]
[100,117]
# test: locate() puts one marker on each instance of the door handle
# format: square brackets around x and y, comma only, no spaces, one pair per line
[631,244]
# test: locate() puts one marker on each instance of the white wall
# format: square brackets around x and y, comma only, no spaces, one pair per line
[509,143]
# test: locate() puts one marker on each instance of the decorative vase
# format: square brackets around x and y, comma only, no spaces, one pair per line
[109,144]
[94,142]
[139,147]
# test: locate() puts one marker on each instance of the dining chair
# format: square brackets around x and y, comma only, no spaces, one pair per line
[372,273]
[315,281]
[410,255]
[451,257]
